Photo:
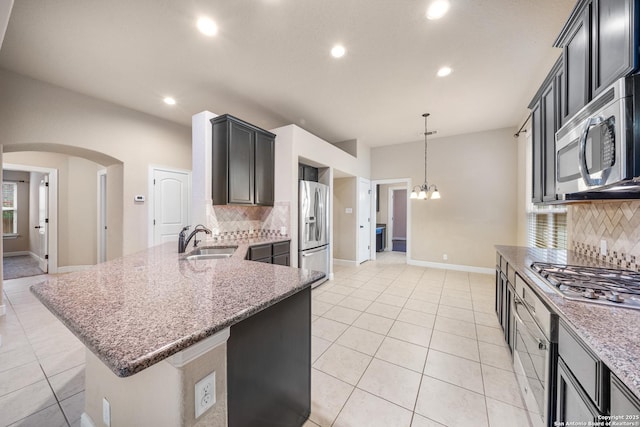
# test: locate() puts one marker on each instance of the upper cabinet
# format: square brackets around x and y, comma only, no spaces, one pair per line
[598,43]
[546,119]
[243,163]
[613,44]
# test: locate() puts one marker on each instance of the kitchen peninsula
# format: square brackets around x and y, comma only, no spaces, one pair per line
[156,323]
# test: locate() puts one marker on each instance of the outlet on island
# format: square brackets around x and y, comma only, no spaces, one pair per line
[205,393]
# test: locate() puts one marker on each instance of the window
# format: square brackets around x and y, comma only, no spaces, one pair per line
[547,229]
[10,208]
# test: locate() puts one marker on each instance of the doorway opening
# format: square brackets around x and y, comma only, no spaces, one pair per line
[30,220]
[364,220]
[392,210]
[398,218]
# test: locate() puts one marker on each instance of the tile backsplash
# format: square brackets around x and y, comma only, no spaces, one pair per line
[249,220]
[616,222]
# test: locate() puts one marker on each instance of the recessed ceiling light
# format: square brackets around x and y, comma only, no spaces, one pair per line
[444,71]
[437,9]
[338,51]
[169,101]
[207,26]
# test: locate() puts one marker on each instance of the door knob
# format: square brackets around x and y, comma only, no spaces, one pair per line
[38,226]
[362,226]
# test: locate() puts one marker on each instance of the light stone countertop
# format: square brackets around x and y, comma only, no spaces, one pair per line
[137,310]
[613,333]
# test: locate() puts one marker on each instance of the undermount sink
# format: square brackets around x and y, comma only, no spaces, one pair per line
[211,252]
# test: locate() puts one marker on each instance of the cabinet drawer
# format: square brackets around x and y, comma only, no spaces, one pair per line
[584,366]
[281,259]
[511,274]
[256,253]
[280,248]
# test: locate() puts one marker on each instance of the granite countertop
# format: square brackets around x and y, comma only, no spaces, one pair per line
[137,310]
[613,333]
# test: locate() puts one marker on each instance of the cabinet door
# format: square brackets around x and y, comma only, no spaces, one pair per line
[537,130]
[623,402]
[241,164]
[572,403]
[612,41]
[576,65]
[508,315]
[264,179]
[548,104]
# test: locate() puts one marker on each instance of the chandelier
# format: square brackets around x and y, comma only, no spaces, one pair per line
[425,191]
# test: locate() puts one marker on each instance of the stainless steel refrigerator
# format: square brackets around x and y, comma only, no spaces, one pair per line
[314,227]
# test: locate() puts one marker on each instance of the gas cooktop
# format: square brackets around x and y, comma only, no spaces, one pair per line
[620,288]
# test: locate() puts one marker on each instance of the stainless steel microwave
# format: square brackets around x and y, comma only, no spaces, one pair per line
[598,149]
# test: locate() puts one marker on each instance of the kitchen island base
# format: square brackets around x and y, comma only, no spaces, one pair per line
[162,395]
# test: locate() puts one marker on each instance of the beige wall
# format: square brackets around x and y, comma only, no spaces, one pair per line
[77,203]
[344,224]
[32,111]
[524,182]
[21,243]
[477,177]
[383,213]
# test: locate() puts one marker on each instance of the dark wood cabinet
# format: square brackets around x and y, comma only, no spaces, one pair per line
[269,365]
[572,404]
[307,173]
[577,63]
[623,401]
[264,169]
[536,145]
[546,110]
[242,164]
[271,253]
[504,297]
[613,34]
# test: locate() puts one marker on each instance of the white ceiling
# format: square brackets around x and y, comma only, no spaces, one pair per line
[270,62]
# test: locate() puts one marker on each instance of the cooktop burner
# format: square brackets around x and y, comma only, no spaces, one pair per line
[593,284]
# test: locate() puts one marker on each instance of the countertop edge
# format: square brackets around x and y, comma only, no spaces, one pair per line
[631,381]
[126,367]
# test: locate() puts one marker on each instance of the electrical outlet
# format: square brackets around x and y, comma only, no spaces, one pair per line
[603,247]
[205,393]
[106,412]
[445,257]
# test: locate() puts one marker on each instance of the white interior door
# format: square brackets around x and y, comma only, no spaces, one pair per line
[43,223]
[171,192]
[364,220]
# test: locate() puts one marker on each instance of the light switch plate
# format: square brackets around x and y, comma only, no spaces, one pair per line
[205,393]
[348,210]
[106,412]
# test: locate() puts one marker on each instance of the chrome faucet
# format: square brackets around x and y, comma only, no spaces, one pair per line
[183,241]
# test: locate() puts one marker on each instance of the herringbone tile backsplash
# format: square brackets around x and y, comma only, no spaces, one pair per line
[236,221]
[616,222]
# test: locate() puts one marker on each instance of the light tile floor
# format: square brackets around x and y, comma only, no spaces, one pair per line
[399,345]
[392,345]
[41,363]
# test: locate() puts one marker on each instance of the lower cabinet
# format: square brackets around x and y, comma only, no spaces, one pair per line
[623,402]
[573,405]
[270,253]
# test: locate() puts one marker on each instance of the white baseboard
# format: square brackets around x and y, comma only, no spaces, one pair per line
[16,253]
[73,268]
[345,262]
[455,267]
[86,421]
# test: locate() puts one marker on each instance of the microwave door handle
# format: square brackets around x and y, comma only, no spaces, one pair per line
[582,152]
